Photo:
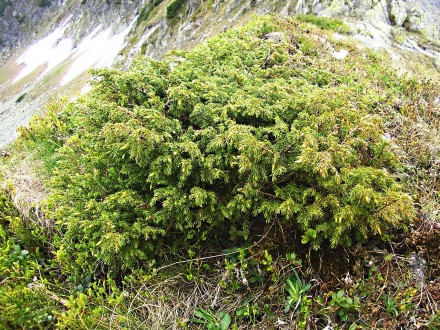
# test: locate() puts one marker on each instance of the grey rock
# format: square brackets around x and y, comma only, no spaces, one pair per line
[414,22]
[418,267]
[276,37]
[398,12]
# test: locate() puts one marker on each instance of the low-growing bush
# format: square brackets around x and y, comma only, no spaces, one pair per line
[20,98]
[146,11]
[44,3]
[174,7]
[215,144]
[3,5]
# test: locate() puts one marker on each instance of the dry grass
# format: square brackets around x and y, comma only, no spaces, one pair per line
[170,303]
[415,136]
[163,305]
[28,191]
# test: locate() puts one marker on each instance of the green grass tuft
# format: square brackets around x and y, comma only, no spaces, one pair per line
[325,23]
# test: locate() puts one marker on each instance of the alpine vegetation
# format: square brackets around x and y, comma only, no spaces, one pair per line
[259,130]
[213,143]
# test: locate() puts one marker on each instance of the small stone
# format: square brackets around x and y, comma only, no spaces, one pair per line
[340,55]
[338,36]
[386,136]
[276,37]
[418,268]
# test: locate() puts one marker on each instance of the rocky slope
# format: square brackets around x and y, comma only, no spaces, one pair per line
[67,37]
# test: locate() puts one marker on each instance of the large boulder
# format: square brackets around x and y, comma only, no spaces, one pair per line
[398,12]
[415,21]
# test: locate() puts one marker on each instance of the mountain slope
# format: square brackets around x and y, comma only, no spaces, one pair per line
[77,35]
[275,176]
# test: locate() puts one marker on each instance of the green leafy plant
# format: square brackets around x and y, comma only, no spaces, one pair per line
[87,308]
[212,320]
[391,307]
[345,304]
[293,258]
[249,311]
[296,289]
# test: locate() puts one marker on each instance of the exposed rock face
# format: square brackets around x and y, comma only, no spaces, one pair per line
[414,22]
[23,21]
[424,17]
[371,19]
[17,23]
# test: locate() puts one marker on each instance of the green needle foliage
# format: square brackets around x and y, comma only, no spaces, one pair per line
[233,135]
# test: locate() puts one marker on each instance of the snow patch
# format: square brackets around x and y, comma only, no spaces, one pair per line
[98,49]
[51,51]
